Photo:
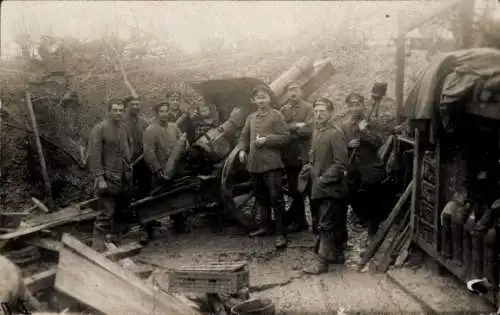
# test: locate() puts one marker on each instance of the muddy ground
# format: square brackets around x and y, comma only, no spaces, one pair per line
[277,275]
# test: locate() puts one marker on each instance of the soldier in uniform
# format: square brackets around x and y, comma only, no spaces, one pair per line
[174,100]
[110,152]
[328,164]
[264,135]
[367,192]
[159,140]
[298,115]
[135,126]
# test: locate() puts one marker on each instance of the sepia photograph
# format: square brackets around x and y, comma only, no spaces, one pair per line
[250,157]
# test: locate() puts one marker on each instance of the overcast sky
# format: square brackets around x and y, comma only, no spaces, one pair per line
[191,22]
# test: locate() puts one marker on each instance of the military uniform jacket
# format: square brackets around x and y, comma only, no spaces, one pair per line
[135,127]
[328,159]
[367,162]
[173,115]
[270,124]
[159,142]
[296,152]
[110,152]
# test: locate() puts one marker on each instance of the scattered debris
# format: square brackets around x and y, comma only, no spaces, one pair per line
[113,289]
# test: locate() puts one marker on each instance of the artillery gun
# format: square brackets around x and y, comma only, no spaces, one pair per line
[210,174]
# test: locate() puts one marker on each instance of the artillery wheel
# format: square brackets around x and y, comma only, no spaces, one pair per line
[237,191]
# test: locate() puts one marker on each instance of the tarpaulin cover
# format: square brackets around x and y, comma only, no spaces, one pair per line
[447,84]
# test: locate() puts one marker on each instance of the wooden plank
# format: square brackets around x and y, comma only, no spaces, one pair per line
[384,228]
[394,244]
[403,254]
[384,266]
[83,215]
[97,281]
[41,281]
[43,164]
[125,251]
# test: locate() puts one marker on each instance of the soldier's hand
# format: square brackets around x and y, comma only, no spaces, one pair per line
[102,186]
[260,141]
[183,136]
[242,156]
[354,143]
[300,124]
[362,124]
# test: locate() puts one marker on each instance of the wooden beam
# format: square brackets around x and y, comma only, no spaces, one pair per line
[43,165]
[384,228]
[23,232]
[122,252]
[97,281]
[41,281]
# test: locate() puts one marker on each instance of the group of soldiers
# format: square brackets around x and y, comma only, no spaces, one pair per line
[334,164]
[125,155]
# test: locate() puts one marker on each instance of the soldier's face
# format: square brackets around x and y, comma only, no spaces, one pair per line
[134,107]
[294,93]
[356,102]
[174,101]
[321,113]
[163,113]
[117,111]
[262,100]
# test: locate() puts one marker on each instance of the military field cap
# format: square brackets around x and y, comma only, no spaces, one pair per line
[324,100]
[292,84]
[156,108]
[115,101]
[174,93]
[130,99]
[354,96]
[379,88]
[262,88]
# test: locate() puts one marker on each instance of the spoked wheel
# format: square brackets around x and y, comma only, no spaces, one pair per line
[238,192]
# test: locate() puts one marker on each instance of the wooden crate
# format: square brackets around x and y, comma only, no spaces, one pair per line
[226,278]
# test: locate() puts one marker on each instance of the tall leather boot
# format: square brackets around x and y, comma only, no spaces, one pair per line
[279,214]
[101,235]
[319,266]
[264,221]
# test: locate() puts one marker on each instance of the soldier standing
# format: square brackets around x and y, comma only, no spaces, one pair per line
[135,126]
[367,192]
[328,163]
[160,138]
[174,99]
[298,115]
[110,152]
[263,137]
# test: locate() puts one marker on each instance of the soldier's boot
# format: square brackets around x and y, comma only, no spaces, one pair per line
[281,241]
[338,258]
[279,214]
[263,218]
[102,233]
[319,266]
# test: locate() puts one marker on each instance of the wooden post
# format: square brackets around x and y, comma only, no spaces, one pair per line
[417,182]
[36,133]
[467,19]
[400,70]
